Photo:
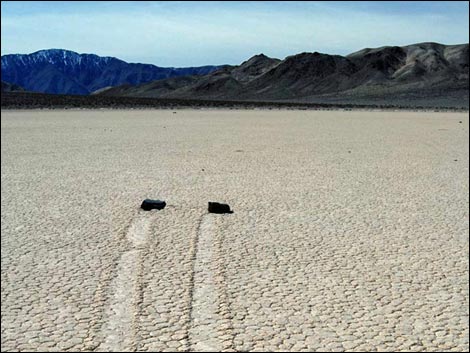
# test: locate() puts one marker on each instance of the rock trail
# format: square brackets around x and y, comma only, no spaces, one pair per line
[119,328]
[205,317]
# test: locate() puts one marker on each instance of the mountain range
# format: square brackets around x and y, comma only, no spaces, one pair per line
[424,74]
[66,72]
[11,87]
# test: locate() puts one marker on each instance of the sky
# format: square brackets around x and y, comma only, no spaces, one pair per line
[183,33]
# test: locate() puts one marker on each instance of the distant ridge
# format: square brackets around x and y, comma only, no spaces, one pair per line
[62,71]
[8,87]
[423,74]
[416,74]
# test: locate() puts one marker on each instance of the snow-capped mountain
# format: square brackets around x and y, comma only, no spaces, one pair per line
[56,57]
[66,72]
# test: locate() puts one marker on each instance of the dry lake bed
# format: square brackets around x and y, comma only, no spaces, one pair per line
[350,230]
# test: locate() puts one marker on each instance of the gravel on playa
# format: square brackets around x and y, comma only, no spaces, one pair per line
[350,231]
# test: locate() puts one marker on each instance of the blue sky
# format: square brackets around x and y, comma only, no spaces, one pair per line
[182,33]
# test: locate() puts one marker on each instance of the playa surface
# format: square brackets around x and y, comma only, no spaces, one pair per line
[349,231]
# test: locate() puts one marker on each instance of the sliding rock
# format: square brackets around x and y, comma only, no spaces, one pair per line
[148,205]
[215,207]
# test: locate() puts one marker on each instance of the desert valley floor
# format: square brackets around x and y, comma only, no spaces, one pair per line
[349,231]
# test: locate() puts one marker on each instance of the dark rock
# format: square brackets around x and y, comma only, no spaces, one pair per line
[460,122]
[215,207]
[148,204]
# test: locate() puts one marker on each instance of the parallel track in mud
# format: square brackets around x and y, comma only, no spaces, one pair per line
[119,328]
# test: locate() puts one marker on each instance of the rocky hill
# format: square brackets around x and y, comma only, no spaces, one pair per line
[423,74]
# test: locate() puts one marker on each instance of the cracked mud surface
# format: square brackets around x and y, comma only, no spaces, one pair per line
[349,231]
